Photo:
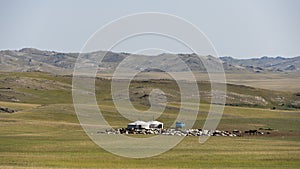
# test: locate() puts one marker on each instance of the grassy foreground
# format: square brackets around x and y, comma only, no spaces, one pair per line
[44,137]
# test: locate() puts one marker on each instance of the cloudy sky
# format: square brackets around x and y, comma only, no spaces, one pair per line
[242,29]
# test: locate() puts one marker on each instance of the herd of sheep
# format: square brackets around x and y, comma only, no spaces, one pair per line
[184,132]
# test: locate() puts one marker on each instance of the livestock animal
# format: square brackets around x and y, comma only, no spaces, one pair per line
[251,132]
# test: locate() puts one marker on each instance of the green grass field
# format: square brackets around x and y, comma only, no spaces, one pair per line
[45,133]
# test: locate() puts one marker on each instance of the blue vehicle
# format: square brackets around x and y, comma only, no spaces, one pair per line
[180,124]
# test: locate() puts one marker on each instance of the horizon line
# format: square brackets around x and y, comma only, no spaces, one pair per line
[174,53]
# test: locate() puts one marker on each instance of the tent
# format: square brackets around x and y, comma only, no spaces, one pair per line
[155,124]
[138,125]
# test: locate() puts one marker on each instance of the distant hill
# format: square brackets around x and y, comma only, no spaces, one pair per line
[30,59]
[263,64]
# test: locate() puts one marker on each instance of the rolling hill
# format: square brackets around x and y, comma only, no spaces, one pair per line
[30,59]
[45,88]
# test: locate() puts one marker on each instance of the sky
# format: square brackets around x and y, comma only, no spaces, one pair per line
[241,29]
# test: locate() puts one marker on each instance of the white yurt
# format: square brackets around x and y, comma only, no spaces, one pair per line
[138,125]
[155,124]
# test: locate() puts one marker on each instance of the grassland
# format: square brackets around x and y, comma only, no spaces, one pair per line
[272,81]
[45,132]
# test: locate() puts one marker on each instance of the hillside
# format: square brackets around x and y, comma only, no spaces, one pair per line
[29,59]
[44,88]
[266,64]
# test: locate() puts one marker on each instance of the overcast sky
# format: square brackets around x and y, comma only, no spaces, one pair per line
[241,29]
